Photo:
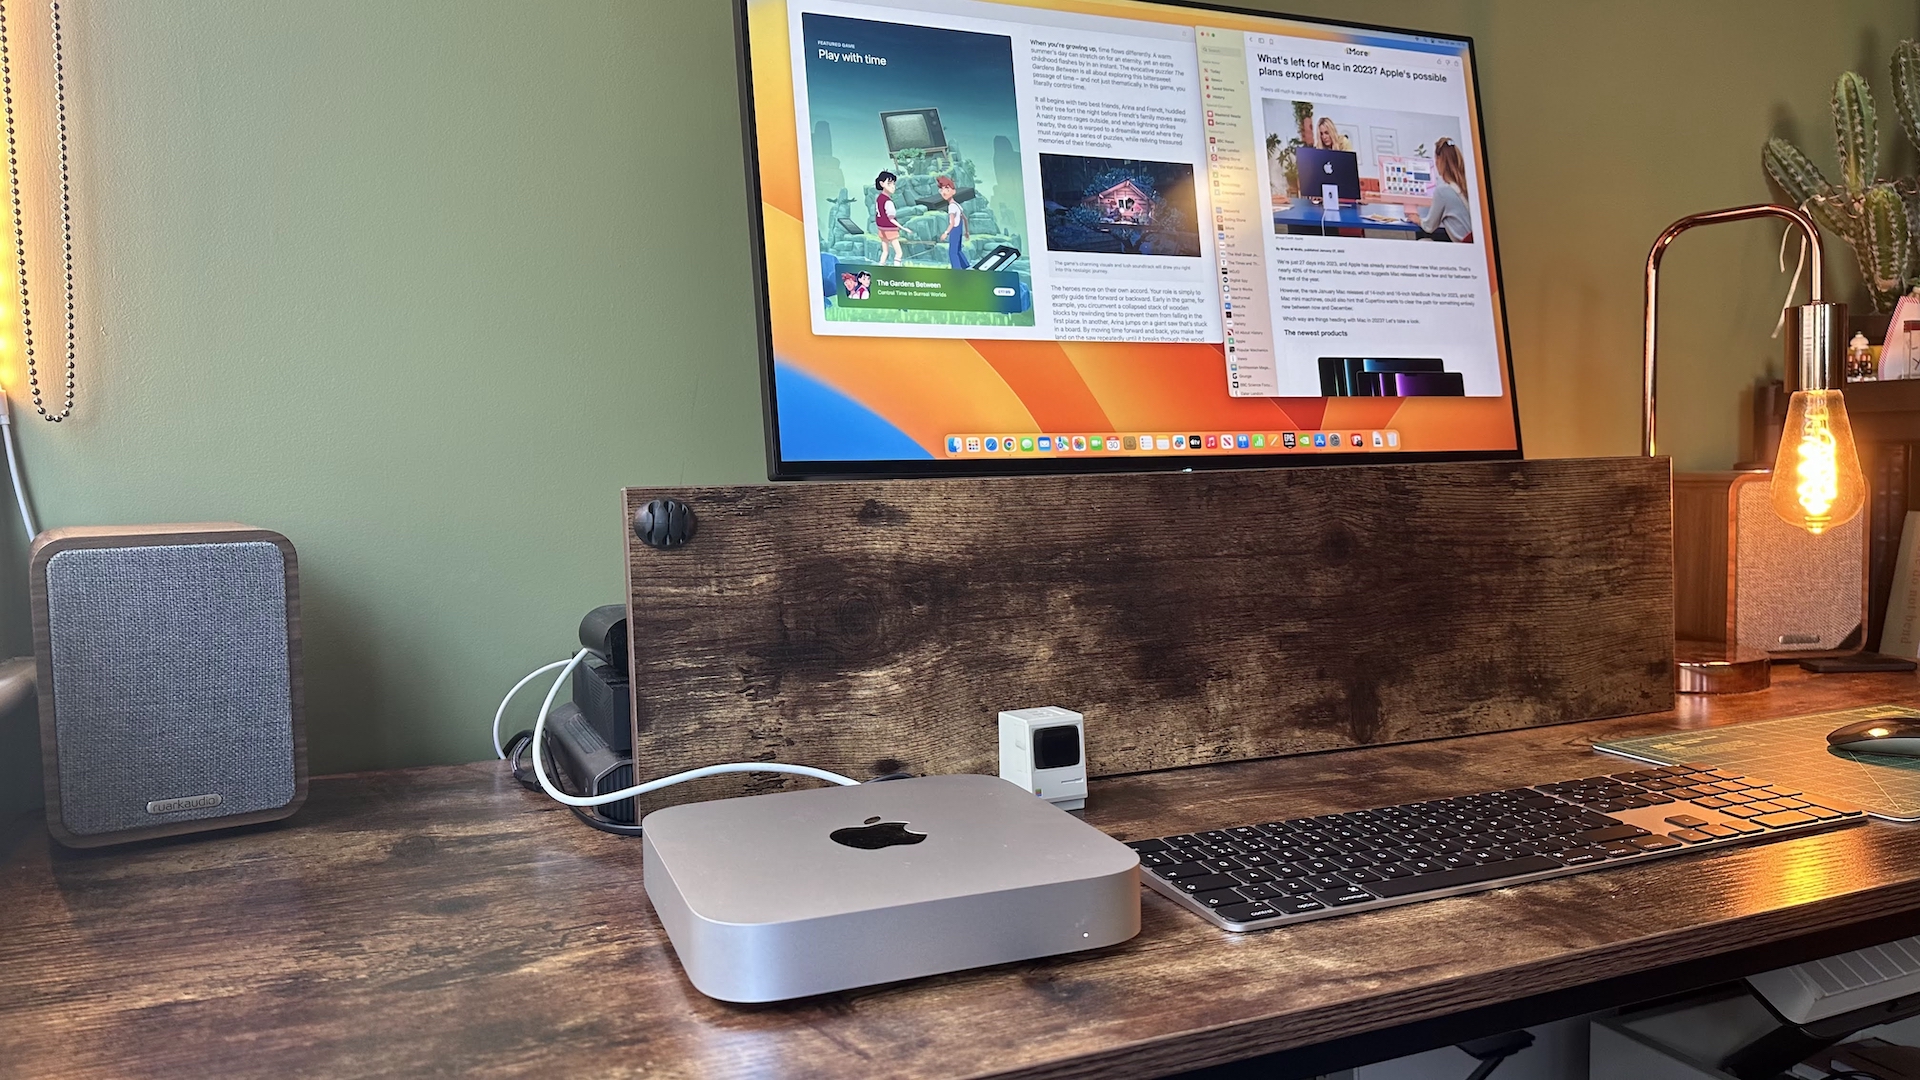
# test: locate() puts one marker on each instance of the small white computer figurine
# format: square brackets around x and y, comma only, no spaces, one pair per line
[1044,751]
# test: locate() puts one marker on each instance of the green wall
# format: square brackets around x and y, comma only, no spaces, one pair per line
[422,285]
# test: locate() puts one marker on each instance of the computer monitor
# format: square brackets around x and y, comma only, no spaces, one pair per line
[1054,235]
[1322,169]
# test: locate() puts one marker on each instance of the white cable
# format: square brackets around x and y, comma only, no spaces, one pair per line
[1794,285]
[13,469]
[540,770]
[498,750]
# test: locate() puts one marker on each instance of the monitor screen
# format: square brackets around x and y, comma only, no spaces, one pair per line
[1059,235]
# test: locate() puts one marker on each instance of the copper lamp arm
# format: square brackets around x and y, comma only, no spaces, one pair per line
[1712,217]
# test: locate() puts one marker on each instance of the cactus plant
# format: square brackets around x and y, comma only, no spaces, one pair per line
[1879,219]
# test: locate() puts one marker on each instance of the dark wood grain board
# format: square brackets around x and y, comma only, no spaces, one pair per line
[445,922]
[1194,618]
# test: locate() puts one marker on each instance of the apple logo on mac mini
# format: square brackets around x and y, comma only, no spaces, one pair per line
[874,834]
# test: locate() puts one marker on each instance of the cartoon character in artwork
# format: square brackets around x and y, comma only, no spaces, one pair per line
[858,286]
[884,222]
[956,230]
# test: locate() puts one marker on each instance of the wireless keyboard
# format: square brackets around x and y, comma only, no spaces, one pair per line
[1251,877]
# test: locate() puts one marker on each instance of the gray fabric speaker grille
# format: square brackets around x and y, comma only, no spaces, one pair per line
[1789,583]
[170,681]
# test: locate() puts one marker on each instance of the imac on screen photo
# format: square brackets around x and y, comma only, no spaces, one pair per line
[1016,236]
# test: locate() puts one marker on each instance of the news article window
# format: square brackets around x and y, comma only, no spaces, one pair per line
[1016,235]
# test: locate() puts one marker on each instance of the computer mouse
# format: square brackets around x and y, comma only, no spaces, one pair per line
[1892,734]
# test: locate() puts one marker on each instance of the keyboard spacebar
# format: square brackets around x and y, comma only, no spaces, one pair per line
[1466,875]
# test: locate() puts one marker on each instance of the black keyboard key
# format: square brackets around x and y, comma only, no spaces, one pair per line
[1612,832]
[1144,846]
[1620,850]
[1581,856]
[1260,892]
[1297,905]
[1151,859]
[1654,843]
[1362,877]
[1208,883]
[1686,821]
[1295,887]
[1252,876]
[1221,866]
[1691,836]
[1182,871]
[1466,875]
[1783,818]
[1218,898]
[1244,913]
[1347,897]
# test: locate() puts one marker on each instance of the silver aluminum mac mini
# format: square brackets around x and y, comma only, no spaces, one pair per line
[781,896]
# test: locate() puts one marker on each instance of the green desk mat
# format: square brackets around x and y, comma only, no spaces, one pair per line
[1793,750]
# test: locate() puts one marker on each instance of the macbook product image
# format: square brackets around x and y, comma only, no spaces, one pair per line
[780,896]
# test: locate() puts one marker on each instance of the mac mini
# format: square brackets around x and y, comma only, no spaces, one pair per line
[779,896]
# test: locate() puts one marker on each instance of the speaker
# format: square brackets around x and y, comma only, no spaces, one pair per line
[169,679]
[1741,575]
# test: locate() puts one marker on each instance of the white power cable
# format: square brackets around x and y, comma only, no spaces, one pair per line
[1786,303]
[540,770]
[501,751]
[13,470]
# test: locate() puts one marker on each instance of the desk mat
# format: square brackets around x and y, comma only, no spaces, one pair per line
[1793,750]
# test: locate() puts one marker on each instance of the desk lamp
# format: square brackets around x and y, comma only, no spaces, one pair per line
[1816,482]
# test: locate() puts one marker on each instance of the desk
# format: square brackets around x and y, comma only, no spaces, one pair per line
[443,921]
[1305,216]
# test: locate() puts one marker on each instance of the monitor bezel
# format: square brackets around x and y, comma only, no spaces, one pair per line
[779,469]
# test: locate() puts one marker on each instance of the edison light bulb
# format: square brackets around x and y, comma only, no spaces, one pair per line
[1816,478]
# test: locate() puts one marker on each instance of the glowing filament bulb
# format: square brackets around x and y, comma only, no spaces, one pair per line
[1816,471]
[1817,482]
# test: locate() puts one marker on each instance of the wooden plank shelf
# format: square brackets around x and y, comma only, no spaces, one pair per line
[1194,618]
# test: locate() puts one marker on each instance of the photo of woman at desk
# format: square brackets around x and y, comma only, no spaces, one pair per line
[1399,175]
[1447,218]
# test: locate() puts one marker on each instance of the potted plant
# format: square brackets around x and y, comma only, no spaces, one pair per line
[1876,216]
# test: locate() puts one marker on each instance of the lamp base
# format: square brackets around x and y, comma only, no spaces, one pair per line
[1716,667]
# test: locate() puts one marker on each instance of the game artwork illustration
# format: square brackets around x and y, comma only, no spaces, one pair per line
[917,179]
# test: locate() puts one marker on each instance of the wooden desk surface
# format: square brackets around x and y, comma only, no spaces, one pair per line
[442,921]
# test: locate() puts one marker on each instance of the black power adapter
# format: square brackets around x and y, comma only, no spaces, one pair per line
[600,685]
